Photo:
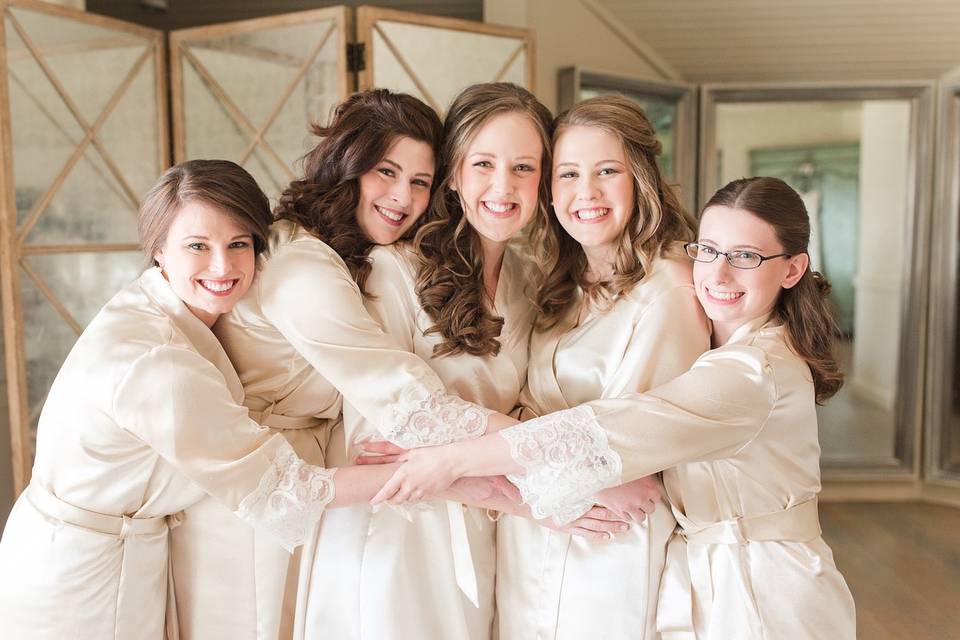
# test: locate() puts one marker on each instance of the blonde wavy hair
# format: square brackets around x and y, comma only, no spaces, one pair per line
[658,218]
[450,278]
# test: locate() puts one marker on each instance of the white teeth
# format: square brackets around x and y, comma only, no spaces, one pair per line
[393,215]
[724,295]
[499,207]
[218,287]
[592,214]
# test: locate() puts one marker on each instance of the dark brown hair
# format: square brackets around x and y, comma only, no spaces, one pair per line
[450,279]
[221,184]
[804,308]
[658,218]
[324,201]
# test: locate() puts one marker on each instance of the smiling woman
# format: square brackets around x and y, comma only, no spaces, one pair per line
[396,191]
[143,420]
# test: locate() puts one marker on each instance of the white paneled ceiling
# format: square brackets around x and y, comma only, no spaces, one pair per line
[802,40]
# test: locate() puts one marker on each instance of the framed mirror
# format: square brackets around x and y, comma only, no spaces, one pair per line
[943,411]
[669,106]
[859,155]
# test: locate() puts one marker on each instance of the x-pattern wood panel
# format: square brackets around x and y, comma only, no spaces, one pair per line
[330,23]
[14,237]
[371,18]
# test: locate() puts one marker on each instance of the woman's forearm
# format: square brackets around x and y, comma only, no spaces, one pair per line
[356,484]
[498,421]
[488,455]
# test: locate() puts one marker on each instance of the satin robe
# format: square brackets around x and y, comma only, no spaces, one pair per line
[298,339]
[143,420]
[553,585]
[378,575]
[737,438]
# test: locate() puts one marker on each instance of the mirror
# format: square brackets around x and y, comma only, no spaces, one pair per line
[943,451]
[668,106]
[852,154]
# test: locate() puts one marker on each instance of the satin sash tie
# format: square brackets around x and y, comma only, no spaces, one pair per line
[276,421]
[122,526]
[463,568]
[687,569]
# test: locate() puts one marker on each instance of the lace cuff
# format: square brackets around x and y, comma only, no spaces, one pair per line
[423,418]
[567,459]
[290,498]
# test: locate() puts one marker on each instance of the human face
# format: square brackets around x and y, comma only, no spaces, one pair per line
[395,193]
[208,259]
[732,297]
[499,177]
[593,190]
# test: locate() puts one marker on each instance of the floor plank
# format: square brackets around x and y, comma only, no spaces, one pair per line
[902,562]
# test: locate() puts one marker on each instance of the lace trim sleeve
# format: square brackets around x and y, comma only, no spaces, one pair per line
[289,499]
[567,459]
[425,417]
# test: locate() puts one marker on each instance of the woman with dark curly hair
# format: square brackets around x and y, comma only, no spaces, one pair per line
[458,296]
[304,345]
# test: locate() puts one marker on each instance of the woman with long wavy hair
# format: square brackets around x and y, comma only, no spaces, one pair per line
[617,314]
[458,296]
[303,344]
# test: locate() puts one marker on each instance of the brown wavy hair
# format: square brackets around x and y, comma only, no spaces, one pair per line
[450,279]
[324,201]
[658,218]
[804,309]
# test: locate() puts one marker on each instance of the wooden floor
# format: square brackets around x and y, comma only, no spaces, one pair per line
[902,562]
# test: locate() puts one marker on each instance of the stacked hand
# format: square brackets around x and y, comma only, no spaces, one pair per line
[632,501]
[428,471]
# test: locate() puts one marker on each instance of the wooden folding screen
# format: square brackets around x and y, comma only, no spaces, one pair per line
[434,58]
[246,91]
[83,127]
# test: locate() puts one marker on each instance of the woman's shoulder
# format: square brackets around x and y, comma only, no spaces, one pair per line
[293,249]
[671,274]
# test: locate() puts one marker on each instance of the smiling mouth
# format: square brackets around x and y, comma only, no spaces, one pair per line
[391,216]
[500,209]
[591,215]
[724,296]
[219,287]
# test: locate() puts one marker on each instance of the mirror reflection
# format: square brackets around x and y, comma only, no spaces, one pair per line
[660,110]
[849,160]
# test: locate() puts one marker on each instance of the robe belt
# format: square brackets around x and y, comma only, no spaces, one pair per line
[275,421]
[463,568]
[687,568]
[123,526]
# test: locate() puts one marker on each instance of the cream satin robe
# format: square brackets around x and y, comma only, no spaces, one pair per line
[552,585]
[143,420]
[378,575]
[298,339]
[737,435]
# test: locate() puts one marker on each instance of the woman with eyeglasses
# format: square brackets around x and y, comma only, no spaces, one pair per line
[736,437]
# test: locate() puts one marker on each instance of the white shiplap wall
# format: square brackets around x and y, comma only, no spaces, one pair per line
[799,40]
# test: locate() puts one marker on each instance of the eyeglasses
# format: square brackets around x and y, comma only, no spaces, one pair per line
[736,259]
